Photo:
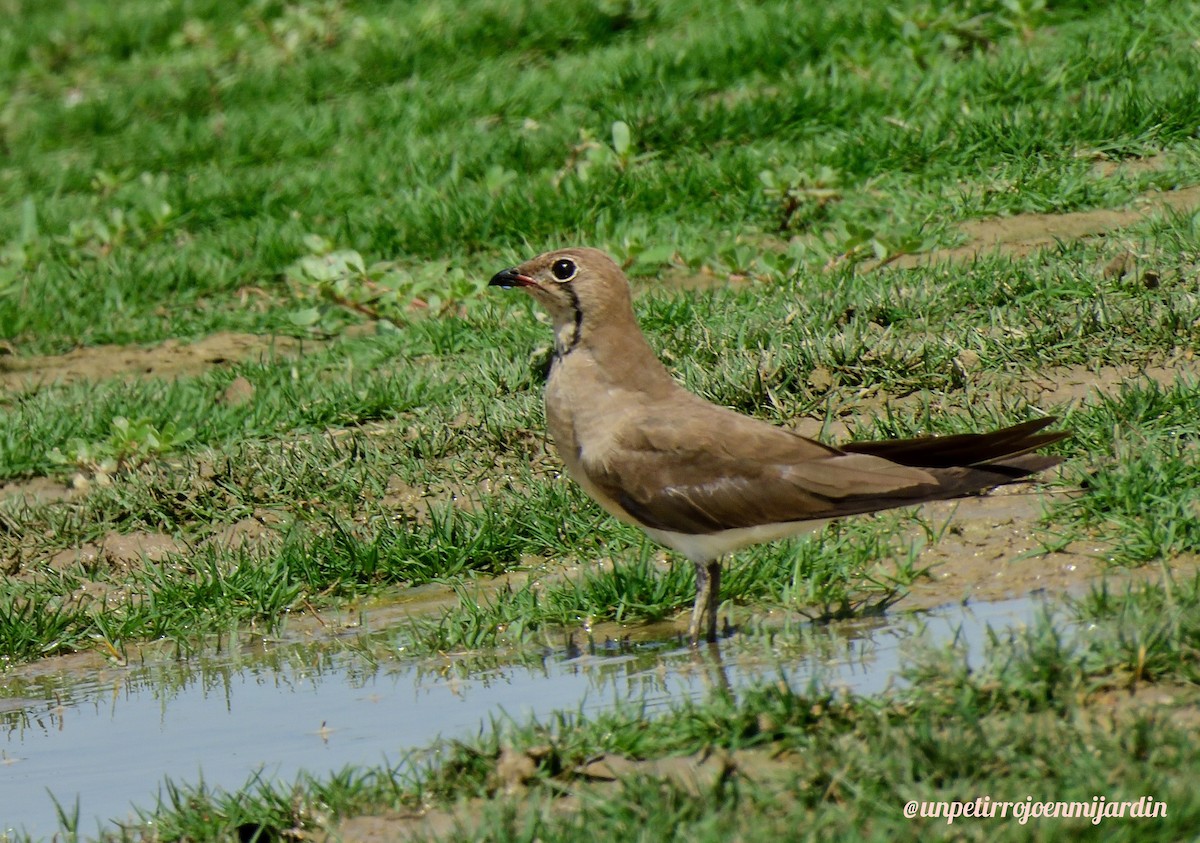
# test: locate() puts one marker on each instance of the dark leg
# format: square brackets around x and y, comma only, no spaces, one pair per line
[708,597]
[714,598]
[702,590]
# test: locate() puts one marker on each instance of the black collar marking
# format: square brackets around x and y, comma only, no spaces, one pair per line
[578,322]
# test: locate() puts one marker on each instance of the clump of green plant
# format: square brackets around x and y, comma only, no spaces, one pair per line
[129,444]
[802,196]
[329,281]
[125,212]
[620,154]
[18,255]
[960,29]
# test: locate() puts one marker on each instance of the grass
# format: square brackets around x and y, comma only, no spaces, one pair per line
[837,763]
[176,169]
[124,211]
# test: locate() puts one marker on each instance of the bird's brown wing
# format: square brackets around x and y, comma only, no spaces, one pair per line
[744,475]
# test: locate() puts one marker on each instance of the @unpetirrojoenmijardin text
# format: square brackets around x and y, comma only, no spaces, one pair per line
[1096,810]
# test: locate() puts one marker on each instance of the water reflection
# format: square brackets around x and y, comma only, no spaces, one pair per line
[108,736]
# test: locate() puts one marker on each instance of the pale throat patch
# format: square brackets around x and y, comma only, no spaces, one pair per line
[566,333]
[566,336]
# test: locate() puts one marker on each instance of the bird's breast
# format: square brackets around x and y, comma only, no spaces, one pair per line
[585,424]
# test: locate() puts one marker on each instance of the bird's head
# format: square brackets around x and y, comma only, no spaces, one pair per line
[580,289]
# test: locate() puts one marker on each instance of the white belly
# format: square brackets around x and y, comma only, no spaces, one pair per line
[707,547]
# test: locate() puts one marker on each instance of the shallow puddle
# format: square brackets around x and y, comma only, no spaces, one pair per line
[105,738]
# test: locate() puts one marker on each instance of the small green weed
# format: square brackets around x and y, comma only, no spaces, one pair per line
[383,290]
[129,444]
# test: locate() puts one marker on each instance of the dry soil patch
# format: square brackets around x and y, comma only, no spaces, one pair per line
[1023,234]
[1018,235]
[170,359]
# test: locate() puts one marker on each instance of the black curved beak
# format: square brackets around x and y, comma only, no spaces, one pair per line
[509,278]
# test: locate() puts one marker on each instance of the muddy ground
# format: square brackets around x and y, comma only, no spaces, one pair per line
[985,553]
[983,533]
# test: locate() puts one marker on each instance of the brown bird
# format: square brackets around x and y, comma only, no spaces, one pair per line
[705,480]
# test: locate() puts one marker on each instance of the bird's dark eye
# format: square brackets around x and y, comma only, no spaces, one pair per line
[563,269]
